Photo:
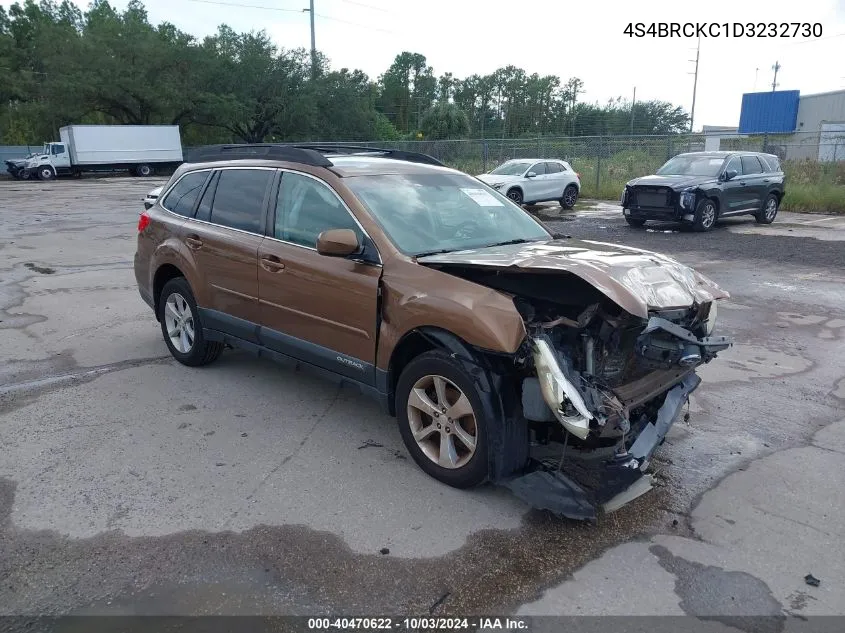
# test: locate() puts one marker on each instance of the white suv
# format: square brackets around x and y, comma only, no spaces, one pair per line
[533,180]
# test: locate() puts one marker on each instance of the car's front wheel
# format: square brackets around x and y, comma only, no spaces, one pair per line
[181,326]
[767,214]
[515,195]
[442,421]
[46,173]
[705,215]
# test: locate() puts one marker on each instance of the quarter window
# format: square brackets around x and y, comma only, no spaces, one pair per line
[305,208]
[182,198]
[750,165]
[239,198]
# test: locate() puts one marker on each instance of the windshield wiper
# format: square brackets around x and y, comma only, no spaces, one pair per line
[509,242]
[438,252]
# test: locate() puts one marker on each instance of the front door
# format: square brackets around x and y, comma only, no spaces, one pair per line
[320,309]
[537,187]
[60,157]
[224,238]
[735,192]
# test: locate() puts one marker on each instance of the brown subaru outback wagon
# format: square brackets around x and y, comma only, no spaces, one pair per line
[552,366]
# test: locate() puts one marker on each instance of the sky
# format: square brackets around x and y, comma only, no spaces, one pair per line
[557,37]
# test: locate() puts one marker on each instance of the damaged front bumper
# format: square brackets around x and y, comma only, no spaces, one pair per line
[622,478]
[586,408]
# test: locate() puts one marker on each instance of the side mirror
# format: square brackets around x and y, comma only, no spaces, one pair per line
[338,243]
[530,174]
[730,174]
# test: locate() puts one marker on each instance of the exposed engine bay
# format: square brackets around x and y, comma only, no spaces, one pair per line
[600,387]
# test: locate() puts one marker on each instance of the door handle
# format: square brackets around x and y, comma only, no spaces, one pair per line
[765,180]
[742,182]
[272,264]
[193,242]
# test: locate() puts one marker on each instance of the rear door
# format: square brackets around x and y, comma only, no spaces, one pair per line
[753,176]
[557,178]
[224,238]
[319,309]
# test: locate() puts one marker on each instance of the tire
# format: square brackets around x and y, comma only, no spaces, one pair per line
[516,196]
[46,173]
[467,469]
[570,197]
[705,215]
[635,222]
[196,351]
[143,171]
[769,212]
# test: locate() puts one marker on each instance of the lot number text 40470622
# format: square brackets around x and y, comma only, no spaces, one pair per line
[724,29]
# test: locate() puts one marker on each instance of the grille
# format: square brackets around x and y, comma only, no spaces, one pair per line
[653,198]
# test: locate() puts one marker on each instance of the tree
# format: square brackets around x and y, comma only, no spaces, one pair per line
[445,120]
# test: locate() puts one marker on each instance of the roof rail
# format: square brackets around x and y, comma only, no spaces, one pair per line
[305,153]
[268,151]
[331,148]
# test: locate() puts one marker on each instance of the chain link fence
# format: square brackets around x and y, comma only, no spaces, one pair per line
[606,163]
[814,161]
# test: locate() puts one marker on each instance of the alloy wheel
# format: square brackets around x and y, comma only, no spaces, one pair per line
[570,196]
[179,321]
[442,421]
[771,209]
[708,215]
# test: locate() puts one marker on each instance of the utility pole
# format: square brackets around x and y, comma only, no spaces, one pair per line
[775,68]
[694,86]
[633,103]
[756,72]
[310,11]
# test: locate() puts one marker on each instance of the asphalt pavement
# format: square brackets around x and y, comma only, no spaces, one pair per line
[132,484]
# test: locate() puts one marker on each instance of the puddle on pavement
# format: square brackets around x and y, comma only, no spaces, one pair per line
[747,362]
[295,569]
[839,390]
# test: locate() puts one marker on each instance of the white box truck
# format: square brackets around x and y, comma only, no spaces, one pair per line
[141,149]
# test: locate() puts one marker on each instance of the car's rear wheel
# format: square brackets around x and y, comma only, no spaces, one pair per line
[705,215]
[181,326]
[515,195]
[570,197]
[767,214]
[635,222]
[442,420]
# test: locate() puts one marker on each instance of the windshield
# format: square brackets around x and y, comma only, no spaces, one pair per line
[692,166]
[425,213]
[516,168]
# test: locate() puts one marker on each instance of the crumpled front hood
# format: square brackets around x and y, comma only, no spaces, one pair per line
[635,279]
[675,182]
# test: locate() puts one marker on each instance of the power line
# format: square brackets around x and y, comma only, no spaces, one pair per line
[366,6]
[245,6]
[363,26]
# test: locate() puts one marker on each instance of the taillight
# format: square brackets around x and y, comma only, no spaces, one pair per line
[577,175]
[143,222]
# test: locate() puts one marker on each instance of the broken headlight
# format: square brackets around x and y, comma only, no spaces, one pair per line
[688,199]
[559,393]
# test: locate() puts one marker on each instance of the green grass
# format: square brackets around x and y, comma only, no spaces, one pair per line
[814,198]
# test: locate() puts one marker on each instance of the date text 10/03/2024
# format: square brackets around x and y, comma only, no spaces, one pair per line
[416,624]
[725,29]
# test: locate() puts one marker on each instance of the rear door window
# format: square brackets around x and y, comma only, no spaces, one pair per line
[239,199]
[750,165]
[182,198]
[553,168]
